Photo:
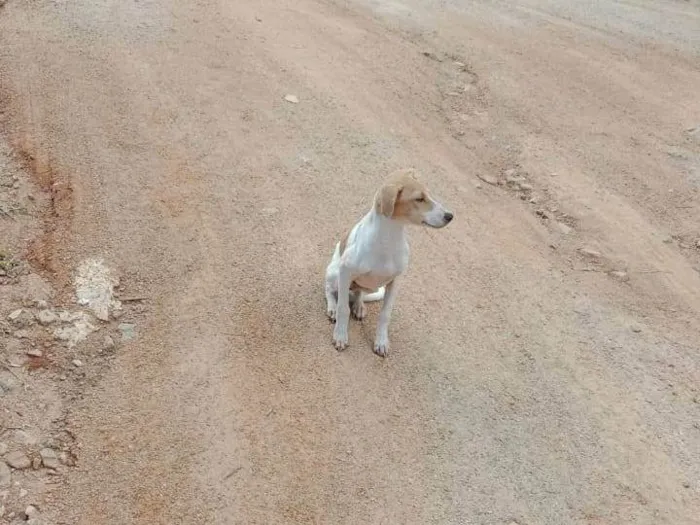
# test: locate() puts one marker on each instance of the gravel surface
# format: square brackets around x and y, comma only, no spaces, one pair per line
[544,365]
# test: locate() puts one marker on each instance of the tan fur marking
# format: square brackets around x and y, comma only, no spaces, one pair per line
[402,188]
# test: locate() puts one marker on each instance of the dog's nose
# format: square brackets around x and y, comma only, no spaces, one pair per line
[448,216]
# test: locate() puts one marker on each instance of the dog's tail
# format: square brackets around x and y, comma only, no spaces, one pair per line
[374,296]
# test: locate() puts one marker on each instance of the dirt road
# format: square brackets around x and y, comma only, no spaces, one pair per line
[544,367]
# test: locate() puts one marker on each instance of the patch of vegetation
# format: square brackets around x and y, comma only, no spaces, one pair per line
[7,263]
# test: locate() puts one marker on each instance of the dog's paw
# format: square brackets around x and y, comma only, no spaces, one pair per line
[340,337]
[331,312]
[381,347]
[359,310]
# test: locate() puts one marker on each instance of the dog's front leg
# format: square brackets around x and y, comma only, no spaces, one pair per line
[381,341]
[340,332]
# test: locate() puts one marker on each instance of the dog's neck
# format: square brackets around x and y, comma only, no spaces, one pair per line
[387,231]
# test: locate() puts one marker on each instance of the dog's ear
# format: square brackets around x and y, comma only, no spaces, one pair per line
[386,199]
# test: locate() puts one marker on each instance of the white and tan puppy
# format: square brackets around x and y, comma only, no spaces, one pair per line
[367,262]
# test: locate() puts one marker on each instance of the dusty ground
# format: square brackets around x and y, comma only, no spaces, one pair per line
[544,367]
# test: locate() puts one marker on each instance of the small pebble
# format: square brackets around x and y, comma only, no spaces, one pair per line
[15,315]
[291,98]
[108,342]
[49,458]
[34,353]
[77,363]
[564,228]
[46,317]
[128,331]
[488,179]
[23,493]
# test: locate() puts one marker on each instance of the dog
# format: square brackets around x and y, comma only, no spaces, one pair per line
[368,261]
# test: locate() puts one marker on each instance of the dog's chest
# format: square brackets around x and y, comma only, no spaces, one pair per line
[381,269]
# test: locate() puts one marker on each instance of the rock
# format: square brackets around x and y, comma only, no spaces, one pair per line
[42,305]
[541,213]
[564,228]
[94,287]
[8,382]
[5,475]
[291,98]
[46,317]
[525,187]
[432,56]
[77,363]
[31,512]
[18,460]
[108,343]
[636,328]
[81,326]
[3,449]
[36,463]
[34,353]
[488,179]
[23,493]
[22,437]
[67,317]
[15,315]
[620,275]
[2,507]
[22,334]
[590,252]
[49,458]
[128,331]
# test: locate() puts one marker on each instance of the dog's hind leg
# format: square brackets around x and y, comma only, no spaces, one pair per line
[358,305]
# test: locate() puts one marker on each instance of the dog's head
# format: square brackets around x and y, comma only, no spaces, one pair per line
[404,198]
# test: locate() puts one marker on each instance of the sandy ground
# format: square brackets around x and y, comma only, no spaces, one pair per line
[544,365]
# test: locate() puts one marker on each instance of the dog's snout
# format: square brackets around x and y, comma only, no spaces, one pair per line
[448,216]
